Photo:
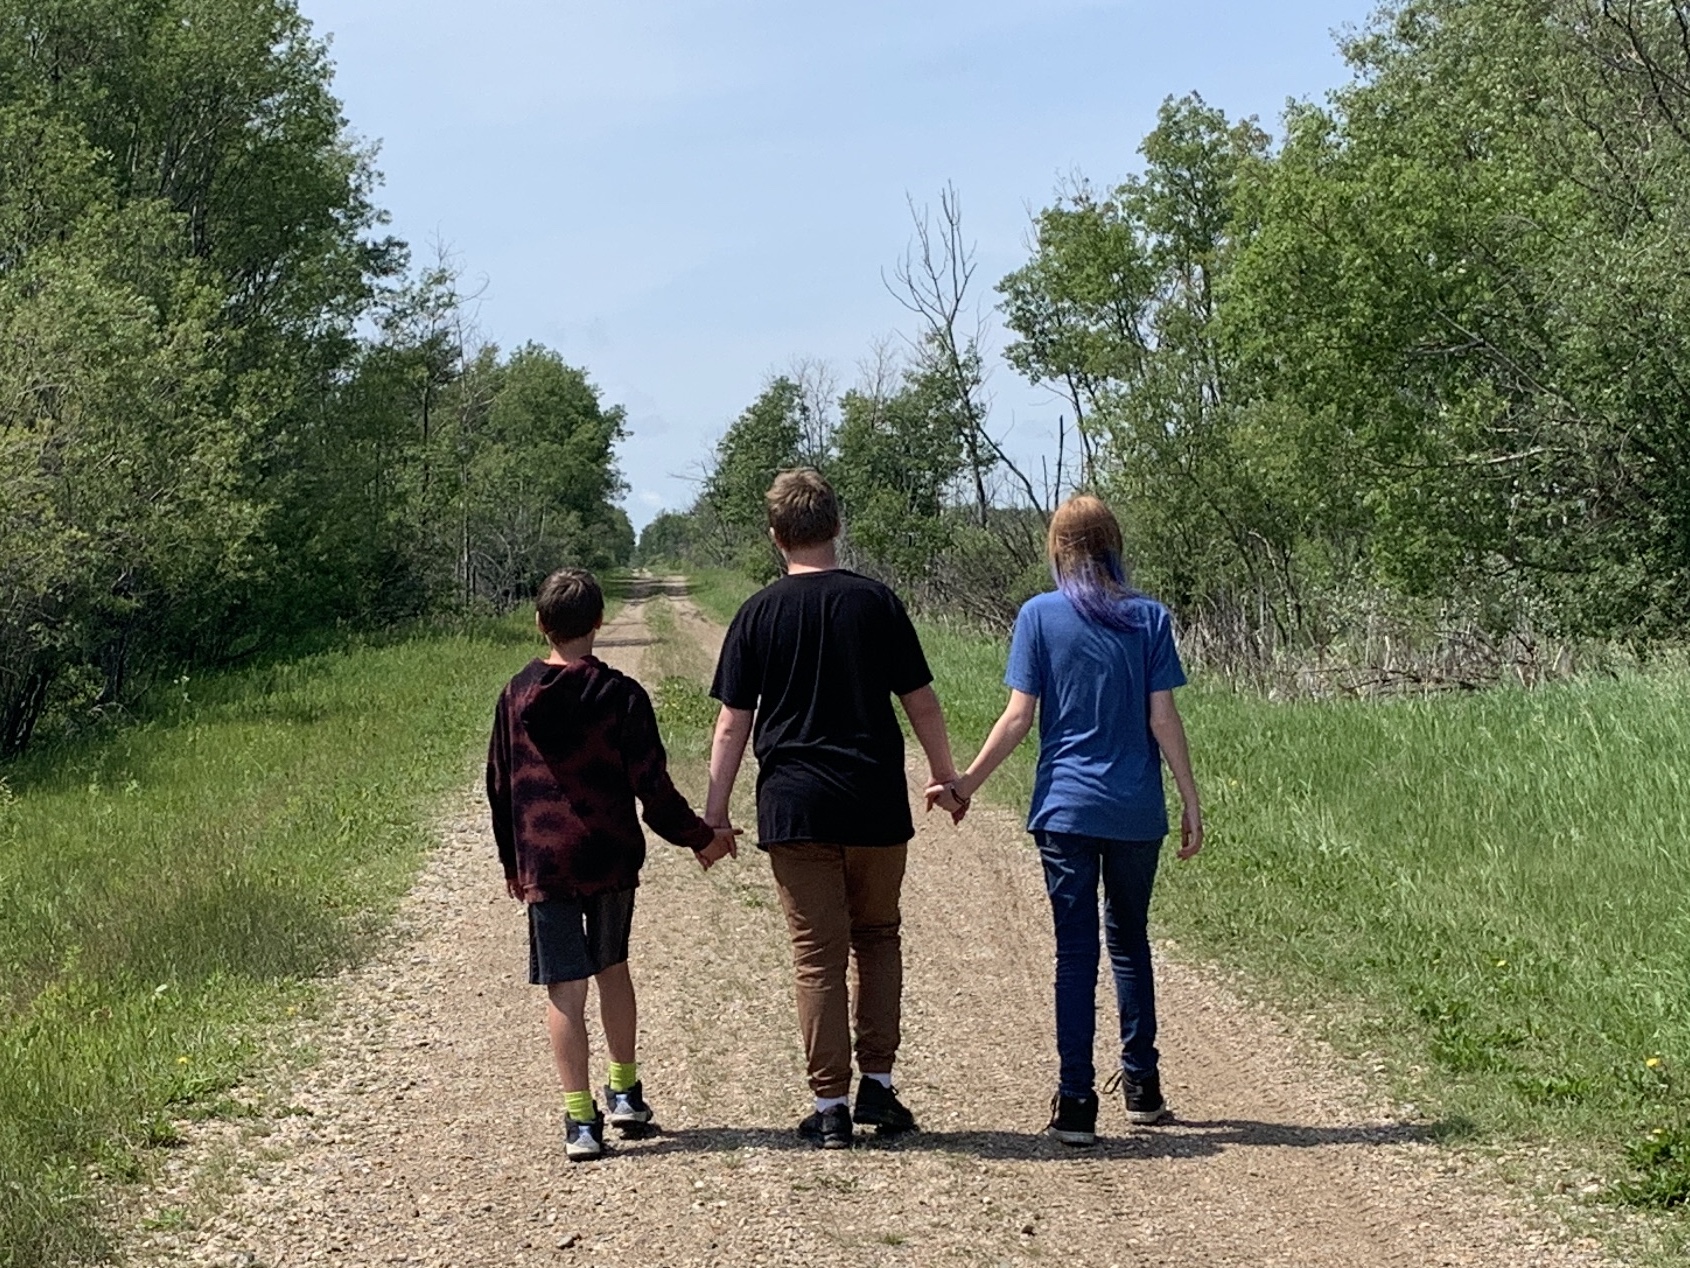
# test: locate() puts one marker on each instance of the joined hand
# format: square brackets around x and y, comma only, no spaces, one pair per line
[944,794]
[725,844]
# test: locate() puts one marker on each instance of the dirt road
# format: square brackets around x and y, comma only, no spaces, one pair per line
[430,1132]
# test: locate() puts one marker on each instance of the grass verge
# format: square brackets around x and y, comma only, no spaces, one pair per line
[172,885]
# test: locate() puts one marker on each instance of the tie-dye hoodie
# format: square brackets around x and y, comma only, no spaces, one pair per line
[572,746]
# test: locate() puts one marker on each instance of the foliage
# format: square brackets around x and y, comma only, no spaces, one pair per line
[1426,349]
[227,414]
[1661,1161]
[1120,309]
[892,447]
[762,441]
[536,477]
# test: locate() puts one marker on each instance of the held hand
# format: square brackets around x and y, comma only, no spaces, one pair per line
[1190,832]
[724,845]
[513,887]
[948,799]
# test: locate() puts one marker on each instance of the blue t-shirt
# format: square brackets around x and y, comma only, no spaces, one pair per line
[1100,770]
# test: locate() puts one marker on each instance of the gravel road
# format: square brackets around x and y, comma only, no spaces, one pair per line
[429,1132]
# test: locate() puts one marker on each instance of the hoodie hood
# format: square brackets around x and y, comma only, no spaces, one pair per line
[563,699]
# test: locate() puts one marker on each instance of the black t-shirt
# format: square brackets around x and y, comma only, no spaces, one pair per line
[819,656]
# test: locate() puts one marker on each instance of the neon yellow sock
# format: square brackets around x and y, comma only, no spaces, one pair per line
[623,1075]
[581,1106]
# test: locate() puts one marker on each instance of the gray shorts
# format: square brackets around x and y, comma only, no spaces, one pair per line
[573,938]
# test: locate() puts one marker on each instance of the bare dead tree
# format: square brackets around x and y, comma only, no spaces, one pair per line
[932,281]
[818,418]
[880,369]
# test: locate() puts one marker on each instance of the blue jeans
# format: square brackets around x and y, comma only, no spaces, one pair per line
[1073,865]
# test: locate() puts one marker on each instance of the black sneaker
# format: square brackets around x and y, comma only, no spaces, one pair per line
[878,1106]
[828,1129]
[583,1141]
[1073,1119]
[1143,1098]
[627,1111]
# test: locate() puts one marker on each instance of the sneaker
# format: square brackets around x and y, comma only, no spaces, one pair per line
[1073,1119]
[878,1106]
[828,1129]
[627,1111]
[583,1141]
[1143,1098]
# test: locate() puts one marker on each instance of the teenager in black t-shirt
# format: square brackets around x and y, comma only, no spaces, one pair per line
[816,658]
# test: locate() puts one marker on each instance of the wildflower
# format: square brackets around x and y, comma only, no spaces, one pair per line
[1654,1063]
[181,1061]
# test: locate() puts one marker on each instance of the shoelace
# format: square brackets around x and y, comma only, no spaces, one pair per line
[1114,1084]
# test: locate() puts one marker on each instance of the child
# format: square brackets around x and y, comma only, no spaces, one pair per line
[574,742]
[1095,661]
[812,663]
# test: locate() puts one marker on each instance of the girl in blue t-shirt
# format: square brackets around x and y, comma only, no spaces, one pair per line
[1095,661]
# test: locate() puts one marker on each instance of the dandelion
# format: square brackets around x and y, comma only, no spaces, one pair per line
[1654,1063]
[1502,964]
[181,1061]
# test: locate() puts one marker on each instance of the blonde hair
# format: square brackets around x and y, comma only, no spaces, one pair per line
[1086,559]
[803,509]
[1083,534]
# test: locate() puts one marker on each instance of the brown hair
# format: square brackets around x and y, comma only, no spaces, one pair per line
[1084,534]
[569,604]
[803,509]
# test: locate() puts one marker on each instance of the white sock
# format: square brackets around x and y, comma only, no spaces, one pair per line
[825,1103]
[885,1080]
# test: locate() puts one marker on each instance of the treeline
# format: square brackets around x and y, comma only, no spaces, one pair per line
[1419,364]
[230,409]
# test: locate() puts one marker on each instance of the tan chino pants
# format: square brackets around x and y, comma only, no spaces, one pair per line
[841,903]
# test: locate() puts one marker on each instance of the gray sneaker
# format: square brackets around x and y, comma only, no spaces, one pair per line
[627,1111]
[583,1141]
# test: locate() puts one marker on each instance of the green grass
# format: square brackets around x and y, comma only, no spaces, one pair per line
[171,886]
[1492,892]
[719,592]
[677,671]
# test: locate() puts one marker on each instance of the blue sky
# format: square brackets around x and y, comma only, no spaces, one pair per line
[683,196]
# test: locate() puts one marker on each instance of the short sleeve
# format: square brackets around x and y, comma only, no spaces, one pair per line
[1165,671]
[739,669]
[907,669]
[1025,672]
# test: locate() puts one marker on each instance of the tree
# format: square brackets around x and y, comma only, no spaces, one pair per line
[120,488]
[758,445]
[898,449]
[1120,309]
[540,478]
